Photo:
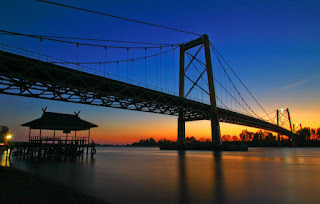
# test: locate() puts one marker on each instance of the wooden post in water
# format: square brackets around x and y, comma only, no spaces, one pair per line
[88,142]
[29,133]
[40,145]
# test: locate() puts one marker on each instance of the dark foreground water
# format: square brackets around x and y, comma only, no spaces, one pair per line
[148,175]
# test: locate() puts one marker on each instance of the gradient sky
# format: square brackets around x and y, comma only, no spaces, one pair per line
[273,46]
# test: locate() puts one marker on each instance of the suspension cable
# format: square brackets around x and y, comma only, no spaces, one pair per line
[213,47]
[125,60]
[84,39]
[118,17]
[81,43]
[234,85]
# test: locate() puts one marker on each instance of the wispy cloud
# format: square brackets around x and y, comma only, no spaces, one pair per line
[294,85]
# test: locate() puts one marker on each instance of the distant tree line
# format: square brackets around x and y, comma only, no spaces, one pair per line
[152,142]
[308,137]
[305,137]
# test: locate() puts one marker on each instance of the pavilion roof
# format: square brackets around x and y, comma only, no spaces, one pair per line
[59,121]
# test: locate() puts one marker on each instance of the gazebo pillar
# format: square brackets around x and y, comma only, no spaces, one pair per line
[89,137]
[29,133]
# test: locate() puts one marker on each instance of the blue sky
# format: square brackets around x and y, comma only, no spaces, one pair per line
[273,46]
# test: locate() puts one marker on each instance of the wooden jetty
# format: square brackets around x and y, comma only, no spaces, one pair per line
[55,147]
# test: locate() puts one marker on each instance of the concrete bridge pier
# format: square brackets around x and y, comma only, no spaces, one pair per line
[181,130]
[215,130]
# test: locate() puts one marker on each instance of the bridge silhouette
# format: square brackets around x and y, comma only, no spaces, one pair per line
[30,74]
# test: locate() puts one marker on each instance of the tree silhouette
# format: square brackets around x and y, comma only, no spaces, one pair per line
[246,136]
[318,133]
[4,131]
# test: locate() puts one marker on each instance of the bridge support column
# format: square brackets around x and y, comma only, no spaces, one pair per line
[279,142]
[215,130]
[181,120]
[293,137]
[215,126]
[181,131]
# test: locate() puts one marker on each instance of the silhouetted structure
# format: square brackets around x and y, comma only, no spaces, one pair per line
[48,78]
[43,146]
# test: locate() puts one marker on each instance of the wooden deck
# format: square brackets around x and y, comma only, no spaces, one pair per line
[52,148]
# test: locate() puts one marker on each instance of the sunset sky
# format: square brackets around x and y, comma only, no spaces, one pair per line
[273,46]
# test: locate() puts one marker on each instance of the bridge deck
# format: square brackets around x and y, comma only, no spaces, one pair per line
[29,77]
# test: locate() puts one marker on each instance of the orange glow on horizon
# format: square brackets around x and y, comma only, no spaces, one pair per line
[164,130]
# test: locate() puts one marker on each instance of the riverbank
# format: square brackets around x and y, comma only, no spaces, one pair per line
[20,187]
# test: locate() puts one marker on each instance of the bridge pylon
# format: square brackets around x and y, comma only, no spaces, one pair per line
[203,42]
[285,113]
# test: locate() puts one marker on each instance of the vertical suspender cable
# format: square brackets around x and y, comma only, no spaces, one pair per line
[160,67]
[174,69]
[156,70]
[105,59]
[225,86]
[118,69]
[230,98]
[127,63]
[220,82]
[77,54]
[145,66]
[166,73]
[132,69]
[40,48]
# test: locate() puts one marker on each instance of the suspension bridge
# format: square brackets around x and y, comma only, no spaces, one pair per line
[190,80]
[206,89]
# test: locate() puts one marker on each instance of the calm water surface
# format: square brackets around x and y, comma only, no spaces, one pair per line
[148,175]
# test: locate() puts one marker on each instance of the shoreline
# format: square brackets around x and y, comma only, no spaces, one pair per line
[17,186]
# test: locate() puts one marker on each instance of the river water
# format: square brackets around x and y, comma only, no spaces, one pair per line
[148,175]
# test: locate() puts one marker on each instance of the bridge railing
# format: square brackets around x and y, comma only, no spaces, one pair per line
[79,67]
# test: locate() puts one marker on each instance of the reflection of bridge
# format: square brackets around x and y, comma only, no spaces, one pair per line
[27,76]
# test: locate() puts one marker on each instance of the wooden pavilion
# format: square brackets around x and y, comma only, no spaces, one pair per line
[58,146]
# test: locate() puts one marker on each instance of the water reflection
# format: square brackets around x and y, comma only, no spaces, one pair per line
[218,181]
[5,158]
[213,177]
[147,175]
[182,175]
[72,173]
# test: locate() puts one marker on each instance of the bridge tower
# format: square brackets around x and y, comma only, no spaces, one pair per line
[215,126]
[278,125]
[294,127]
[284,113]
